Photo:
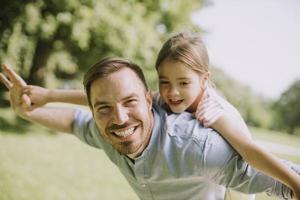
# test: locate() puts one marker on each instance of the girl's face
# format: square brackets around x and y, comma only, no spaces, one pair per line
[179,86]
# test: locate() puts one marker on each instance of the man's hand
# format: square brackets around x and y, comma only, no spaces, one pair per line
[19,101]
[54,118]
[39,96]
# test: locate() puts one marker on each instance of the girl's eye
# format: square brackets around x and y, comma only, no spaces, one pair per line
[184,83]
[162,82]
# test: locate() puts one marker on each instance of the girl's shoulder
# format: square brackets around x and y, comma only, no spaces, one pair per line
[227,106]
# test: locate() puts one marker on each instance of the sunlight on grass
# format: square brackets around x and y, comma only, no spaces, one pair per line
[275,136]
[57,167]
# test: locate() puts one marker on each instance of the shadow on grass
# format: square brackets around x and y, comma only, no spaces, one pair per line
[18,126]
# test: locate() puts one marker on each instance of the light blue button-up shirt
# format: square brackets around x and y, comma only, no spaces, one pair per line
[183,161]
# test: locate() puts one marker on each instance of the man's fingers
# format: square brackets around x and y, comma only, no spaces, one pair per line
[5,81]
[26,90]
[13,76]
[26,100]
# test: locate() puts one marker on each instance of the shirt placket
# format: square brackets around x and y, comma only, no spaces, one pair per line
[140,175]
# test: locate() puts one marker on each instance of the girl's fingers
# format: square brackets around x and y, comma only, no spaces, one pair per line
[5,81]
[13,76]
[210,115]
[207,106]
[213,118]
[209,112]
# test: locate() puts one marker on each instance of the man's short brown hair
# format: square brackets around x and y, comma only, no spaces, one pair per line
[107,66]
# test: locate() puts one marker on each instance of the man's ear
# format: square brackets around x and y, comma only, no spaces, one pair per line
[149,98]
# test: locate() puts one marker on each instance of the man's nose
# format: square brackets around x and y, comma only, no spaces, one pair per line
[120,115]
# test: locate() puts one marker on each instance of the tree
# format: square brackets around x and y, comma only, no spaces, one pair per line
[287,109]
[52,40]
[255,108]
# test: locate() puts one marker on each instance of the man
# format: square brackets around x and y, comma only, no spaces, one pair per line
[161,156]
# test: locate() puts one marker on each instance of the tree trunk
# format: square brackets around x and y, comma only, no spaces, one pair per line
[38,71]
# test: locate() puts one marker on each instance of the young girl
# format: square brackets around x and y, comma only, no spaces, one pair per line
[184,85]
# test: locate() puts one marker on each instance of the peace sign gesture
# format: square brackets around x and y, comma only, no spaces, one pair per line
[20,102]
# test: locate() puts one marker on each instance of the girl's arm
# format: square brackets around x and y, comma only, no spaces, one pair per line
[232,127]
[255,155]
[40,96]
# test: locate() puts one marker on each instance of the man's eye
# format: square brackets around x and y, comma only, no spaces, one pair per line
[103,110]
[131,102]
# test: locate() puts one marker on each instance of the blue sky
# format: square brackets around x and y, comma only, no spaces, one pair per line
[255,42]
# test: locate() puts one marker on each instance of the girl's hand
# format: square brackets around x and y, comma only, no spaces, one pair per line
[39,96]
[209,110]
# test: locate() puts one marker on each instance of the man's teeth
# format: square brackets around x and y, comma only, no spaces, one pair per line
[124,133]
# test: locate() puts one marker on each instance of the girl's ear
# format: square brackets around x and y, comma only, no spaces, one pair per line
[205,79]
[206,76]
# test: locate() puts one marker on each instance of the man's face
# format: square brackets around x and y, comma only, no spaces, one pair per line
[122,110]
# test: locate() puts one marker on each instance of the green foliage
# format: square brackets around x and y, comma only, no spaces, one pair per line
[50,41]
[287,109]
[255,109]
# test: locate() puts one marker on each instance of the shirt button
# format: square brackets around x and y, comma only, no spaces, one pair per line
[143,185]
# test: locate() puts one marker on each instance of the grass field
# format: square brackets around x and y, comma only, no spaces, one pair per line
[43,166]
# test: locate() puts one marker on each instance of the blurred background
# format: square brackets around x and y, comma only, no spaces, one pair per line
[254,49]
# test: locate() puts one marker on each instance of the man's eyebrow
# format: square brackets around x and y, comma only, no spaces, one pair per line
[130,96]
[100,103]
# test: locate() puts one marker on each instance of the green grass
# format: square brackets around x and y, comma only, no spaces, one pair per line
[275,136]
[43,166]
[47,167]
[280,138]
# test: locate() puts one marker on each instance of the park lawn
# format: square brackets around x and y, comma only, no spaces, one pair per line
[275,136]
[280,138]
[58,166]
[43,166]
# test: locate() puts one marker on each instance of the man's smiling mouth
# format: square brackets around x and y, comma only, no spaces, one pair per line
[124,133]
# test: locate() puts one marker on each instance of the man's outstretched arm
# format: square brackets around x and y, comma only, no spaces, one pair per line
[40,96]
[54,118]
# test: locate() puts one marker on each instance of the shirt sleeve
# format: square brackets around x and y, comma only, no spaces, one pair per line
[226,167]
[85,129]
[157,99]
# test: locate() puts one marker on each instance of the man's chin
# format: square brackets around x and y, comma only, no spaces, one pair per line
[127,148]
